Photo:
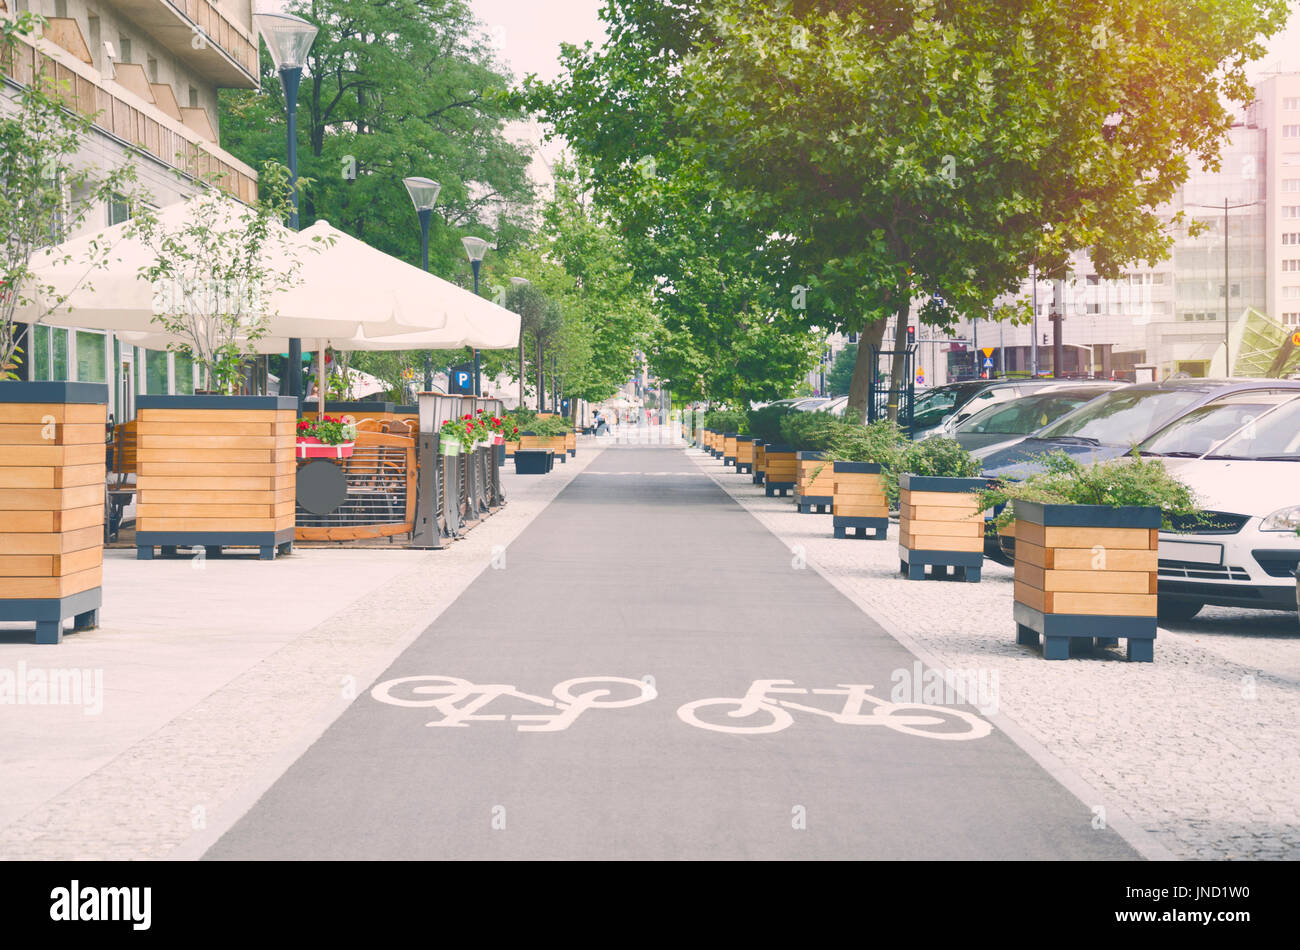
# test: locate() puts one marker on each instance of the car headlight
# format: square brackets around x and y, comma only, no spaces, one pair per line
[1284,519]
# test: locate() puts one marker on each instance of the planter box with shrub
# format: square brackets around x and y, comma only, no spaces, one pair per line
[780,469]
[1086,572]
[215,471]
[941,526]
[548,443]
[729,448]
[52,499]
[571,443]
[760,461]
[813,488]
[860,503]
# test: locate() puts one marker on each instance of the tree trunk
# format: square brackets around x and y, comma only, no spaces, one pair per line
[541,376]
[521,366]
[863,367]
[896,380]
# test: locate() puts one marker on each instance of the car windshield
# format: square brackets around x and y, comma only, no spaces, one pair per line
[1275,436]
[931,407]
[1123,416]
[1206,426]
[1025,415]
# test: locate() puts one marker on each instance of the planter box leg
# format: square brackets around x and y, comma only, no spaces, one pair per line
[970,574]
[49,631]
[1056,648]
[266,552]
[840,533]
[212,550]
[1026,636]
[87,621]
[169,550]
[144,553]
[916,572]
[1141,651]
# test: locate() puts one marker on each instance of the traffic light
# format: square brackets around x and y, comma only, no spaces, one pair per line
[911,335]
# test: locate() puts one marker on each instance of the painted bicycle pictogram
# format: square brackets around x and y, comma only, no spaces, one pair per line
[759,712]
[460,701]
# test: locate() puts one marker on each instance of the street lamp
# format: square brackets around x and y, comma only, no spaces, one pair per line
[521,282]
[424,195]
[288,38]
[1227,288]
[475,248]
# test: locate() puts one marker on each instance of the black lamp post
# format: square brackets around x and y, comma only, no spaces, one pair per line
[288,38]
[424,195]
[475,248]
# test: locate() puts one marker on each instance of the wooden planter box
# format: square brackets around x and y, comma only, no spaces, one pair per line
[511,448]
[744,455]
[941,526]
[52,494]
[814,488]
[729,448]
[553,444]
[860,504]
[571,443]
[215,472]
[780,469]
[1086,572]
[760,462]
[715,445]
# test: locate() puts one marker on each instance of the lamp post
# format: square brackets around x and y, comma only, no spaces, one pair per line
[521,282]
[288,38]
[424,195]
[1227,289]
[475,248]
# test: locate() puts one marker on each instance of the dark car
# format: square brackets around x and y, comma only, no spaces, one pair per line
[956,401]
[1113,423]
[1013,420]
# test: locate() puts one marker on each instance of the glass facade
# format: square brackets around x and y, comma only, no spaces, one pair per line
[155,372]
[91,356]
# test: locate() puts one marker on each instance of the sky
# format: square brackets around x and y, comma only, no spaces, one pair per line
[528,34]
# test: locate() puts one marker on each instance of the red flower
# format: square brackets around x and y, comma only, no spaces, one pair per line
[480,410]
[515,429]
[466,416]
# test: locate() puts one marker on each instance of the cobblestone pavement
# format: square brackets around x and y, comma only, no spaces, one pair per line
[1200,748]
[231,733]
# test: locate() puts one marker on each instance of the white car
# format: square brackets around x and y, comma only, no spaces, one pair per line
[1249,485]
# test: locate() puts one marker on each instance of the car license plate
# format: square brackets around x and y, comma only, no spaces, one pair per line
[1191,551]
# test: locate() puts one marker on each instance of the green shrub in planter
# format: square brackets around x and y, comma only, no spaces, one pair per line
[881,443]
[765,424]
[811,431]
[726,420]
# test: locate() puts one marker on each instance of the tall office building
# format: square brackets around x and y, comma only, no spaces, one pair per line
[147,73]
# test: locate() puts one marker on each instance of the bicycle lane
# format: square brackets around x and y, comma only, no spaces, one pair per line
[646,570]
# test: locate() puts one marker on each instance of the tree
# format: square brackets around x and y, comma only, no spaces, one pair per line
[720,332]
[840,378]
[933,150]
[212,272]
[38,144]
[394,88]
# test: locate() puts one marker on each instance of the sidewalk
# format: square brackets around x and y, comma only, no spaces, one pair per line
[211,670]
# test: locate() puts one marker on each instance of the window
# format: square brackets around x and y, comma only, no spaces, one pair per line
[123,50]
[194,98]
[119,210]
[184,375]
[1291,319]
[1291,211]
[91,350]
[41,352]
[1291,238]
[1291,184]
[155,372]
[58,353]
[153,71]
[1291,103]
[1291,131]
[1158,278]
[1291,293]
[92,24]
[61,8]
[1291,265]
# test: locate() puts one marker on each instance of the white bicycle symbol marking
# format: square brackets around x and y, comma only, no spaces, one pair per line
[909,718]
[450,690]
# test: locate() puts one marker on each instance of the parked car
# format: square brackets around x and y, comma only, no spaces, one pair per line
[1246,552]
[1004,422]
[1197,432]
[955,402]
[1113,423]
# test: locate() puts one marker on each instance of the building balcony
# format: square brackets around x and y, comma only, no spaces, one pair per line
[202,37]
[139,115]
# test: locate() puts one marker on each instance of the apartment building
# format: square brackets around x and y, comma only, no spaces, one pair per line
[147,73]
[1169,319]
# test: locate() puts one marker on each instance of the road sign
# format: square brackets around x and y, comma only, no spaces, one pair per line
[988,362]
[987,351]
[1296,338]
[461,379]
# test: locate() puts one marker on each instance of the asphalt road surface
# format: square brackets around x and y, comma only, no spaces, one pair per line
[645,571]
